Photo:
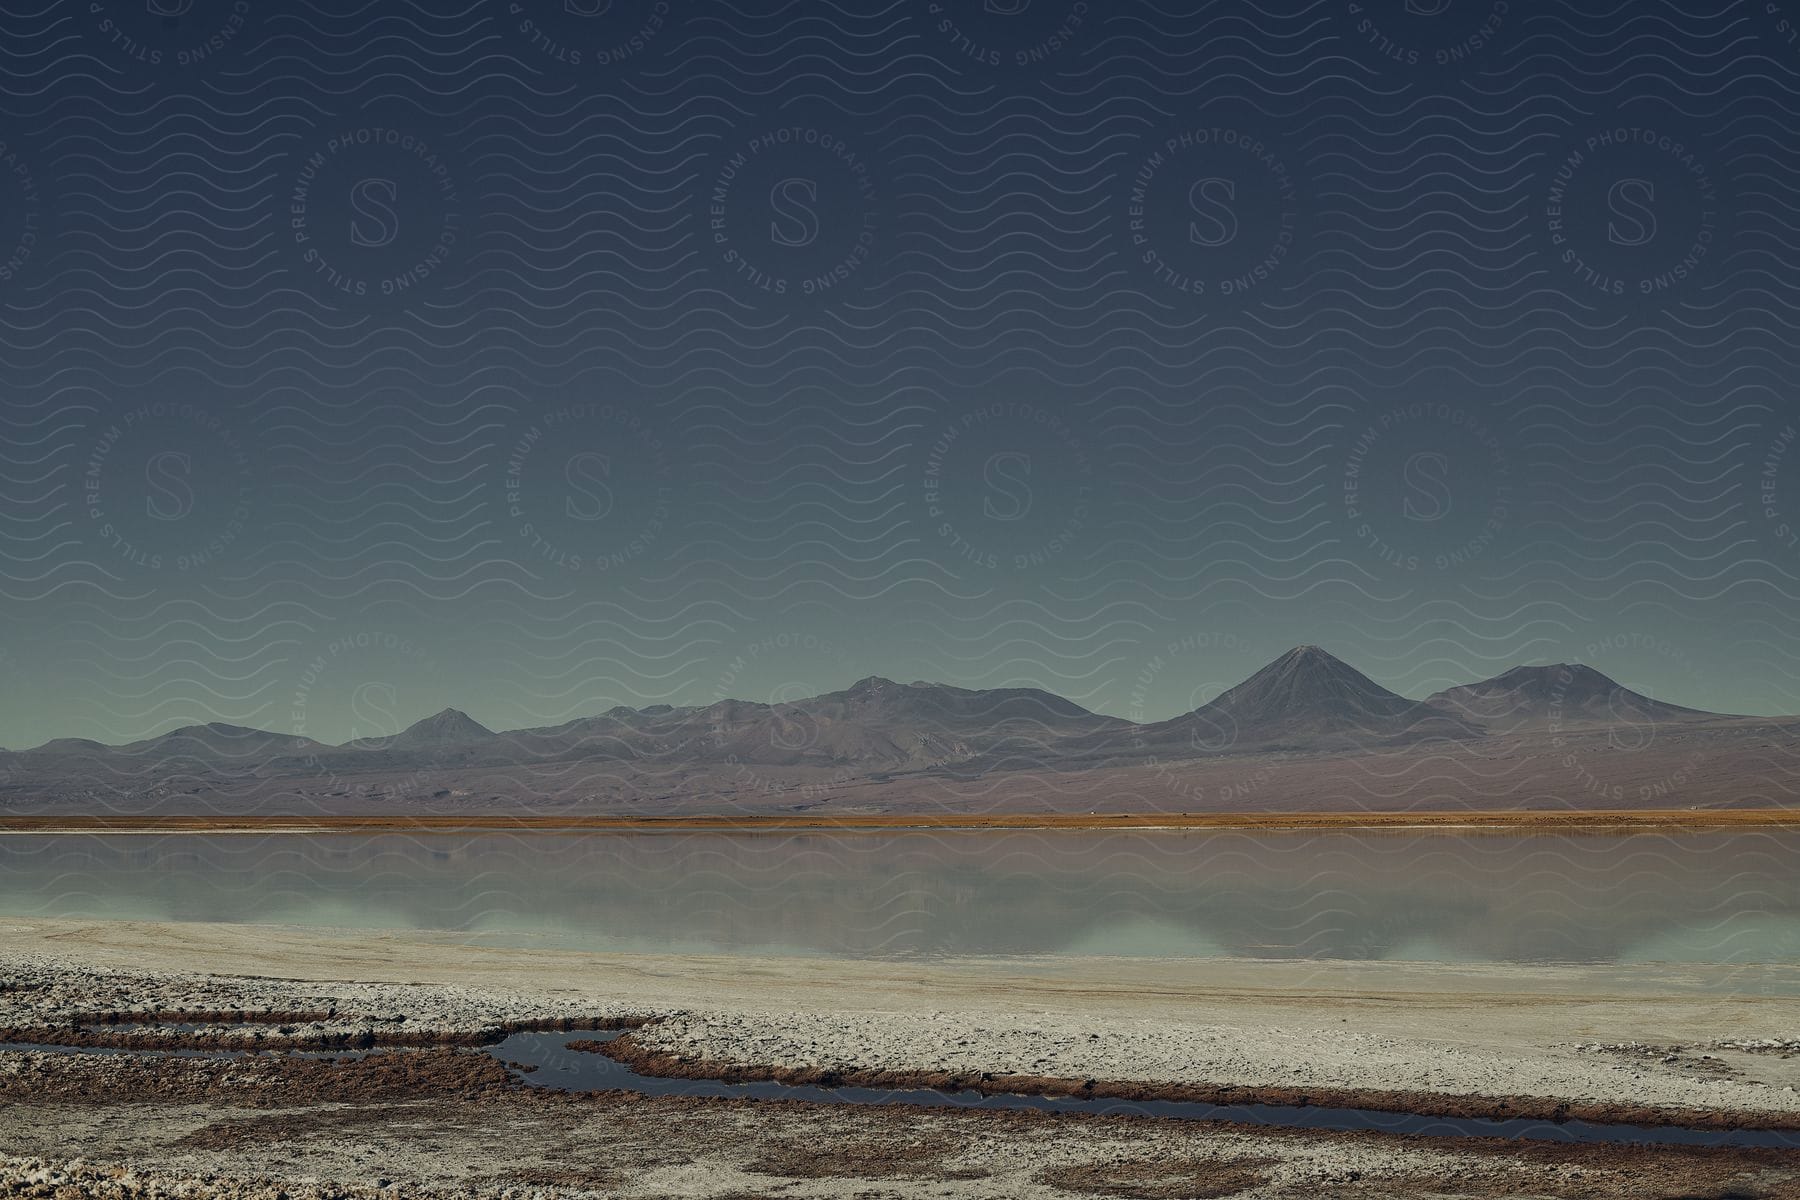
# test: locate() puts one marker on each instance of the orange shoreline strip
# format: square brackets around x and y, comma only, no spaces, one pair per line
[1610,820]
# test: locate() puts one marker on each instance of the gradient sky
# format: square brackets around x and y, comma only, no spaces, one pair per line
[366,358]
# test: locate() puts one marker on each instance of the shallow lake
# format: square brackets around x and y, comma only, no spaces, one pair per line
[1727,898]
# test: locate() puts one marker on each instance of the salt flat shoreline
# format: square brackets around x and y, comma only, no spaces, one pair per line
[1609,821]
[1489,1031]
[1445,1039]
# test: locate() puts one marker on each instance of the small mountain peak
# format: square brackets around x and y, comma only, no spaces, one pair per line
[1559,695]
[872,683]
[441,728]
[1310,660]
[1558,677]
[226,729]
[181,731]
[71,745]
[1311,656]
[211,731]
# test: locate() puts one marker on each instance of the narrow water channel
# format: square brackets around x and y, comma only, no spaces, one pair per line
[544,1060]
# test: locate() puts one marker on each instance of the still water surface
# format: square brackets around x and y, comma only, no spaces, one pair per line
[1731,898]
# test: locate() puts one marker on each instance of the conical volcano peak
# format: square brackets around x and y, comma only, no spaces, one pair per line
[1312,658]
[451,726]
[1307,654]
[1309,698]
[1308,680]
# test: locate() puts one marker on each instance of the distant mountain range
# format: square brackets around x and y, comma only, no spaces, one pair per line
[875,734]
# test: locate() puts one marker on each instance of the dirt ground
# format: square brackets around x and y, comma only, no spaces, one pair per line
[446,1123]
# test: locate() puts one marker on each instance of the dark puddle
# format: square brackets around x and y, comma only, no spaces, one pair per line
[544,1060]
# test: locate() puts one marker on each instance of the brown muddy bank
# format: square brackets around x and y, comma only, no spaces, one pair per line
[81,1033]
[663,1064]
[449,1123]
